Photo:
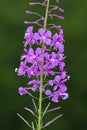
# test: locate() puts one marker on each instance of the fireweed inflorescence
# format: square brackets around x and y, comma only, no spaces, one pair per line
[43,64]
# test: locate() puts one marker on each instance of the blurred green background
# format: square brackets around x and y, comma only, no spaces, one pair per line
[12,15]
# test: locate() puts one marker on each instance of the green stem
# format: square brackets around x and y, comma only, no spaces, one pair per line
[42,74]
[46,15]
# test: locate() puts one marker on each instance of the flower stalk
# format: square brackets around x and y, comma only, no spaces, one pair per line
[42,74]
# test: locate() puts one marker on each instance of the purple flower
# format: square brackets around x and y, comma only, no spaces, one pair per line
[47,71]
[22,68]
[60,56]
[22,91]
[64,95]
[43,36]
[53,96]
[35,83]
[57,78]
[34,57]
[56,95]
[32,71]
[63,75]
[48,92]
[51,59]
[61,66]
[62,87]
[58,82]
[57,42]
[57,38]
[29,36]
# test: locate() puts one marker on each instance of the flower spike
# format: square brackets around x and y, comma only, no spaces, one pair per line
[43,64]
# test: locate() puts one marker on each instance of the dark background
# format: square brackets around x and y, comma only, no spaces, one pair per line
[12,15]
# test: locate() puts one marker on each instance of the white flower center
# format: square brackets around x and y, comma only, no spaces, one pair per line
[43,38]
[52,60]
[32,72]
[57,43]
[33,57]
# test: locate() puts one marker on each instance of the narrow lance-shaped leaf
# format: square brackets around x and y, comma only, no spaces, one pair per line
[36,109]
[33,126]
[53,109]
[31,111]
[46,109]
[50,122]
[24,120]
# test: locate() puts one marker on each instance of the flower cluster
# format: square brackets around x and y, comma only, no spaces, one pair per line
[54,65]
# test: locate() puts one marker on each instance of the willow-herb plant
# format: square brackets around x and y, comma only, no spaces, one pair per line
[43,64]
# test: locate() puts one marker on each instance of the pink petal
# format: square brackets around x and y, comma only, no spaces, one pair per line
[41,31]
[36,36]
[48,41]
[48,92]
[48,34]
[31,51]
[38,51]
